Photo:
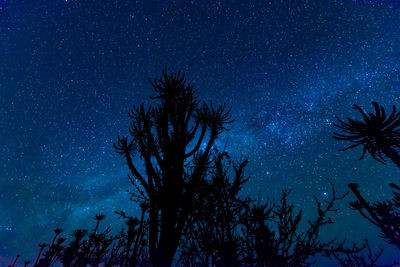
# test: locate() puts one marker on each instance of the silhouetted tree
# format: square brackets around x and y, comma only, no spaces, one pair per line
[383,214]
[96,248]
[163,137]
[380,136]
[377,134]
[212,235]
[274,236]
[226,230]
[190,197]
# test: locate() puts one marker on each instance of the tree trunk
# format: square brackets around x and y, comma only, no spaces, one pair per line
[167,241]
[166,249]
[162,259]
[153,233]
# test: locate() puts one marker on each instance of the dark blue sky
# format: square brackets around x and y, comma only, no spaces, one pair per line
[71,70]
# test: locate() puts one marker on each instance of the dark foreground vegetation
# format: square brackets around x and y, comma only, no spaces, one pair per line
[190,197]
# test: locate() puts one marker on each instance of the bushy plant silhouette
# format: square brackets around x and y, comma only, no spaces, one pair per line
[380,136]
[227,230]
[163,137]
[384,214]
[211,236]
[377,134]
[96,248]
[190,196]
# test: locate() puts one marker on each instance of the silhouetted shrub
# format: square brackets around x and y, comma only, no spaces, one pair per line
[226,230]
[95,248]
[190,197]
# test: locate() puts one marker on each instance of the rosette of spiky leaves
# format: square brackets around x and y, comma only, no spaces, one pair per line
[376,133]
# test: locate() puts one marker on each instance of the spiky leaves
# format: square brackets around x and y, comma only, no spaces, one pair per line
[376,133]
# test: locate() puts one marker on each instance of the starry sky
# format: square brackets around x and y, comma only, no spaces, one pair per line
[70,70]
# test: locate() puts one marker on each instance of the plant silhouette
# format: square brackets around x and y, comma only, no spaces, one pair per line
[377,134]
[164,136]
[227,230]
[380,136]
[190,195]
[96,248]
[383,214]
[211,236]
[355,258]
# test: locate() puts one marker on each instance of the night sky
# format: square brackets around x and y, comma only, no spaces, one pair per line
[71,70]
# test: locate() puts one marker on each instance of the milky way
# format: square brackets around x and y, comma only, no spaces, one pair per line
[71,70]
